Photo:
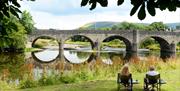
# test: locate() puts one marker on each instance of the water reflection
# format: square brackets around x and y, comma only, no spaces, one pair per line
[75,56]
[47,55]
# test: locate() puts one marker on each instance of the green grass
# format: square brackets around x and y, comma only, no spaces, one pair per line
[104,77]
[32,49]
[170,72]
[171,76]
[78,43]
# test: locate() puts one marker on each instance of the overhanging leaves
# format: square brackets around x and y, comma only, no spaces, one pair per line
[84,2]
[134,9]
[10,6]
[151,7]
[120,2]
[142,12]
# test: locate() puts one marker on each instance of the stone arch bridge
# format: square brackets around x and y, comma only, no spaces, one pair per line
[131,38]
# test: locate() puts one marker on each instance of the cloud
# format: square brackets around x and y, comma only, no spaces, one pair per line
[67,14]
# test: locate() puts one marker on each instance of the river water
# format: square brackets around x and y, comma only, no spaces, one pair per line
[81,55]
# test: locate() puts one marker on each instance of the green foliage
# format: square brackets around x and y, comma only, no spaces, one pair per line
[27,21]
[148,42]
[115,43]
[69,78]
[84,75]
[4,85]
[158,26]
[12,62]
[13,35]
[41,42]
[129,26]
[83,55]
[38,46]
[79,38]
[44,80]
[155,26]
[29,83]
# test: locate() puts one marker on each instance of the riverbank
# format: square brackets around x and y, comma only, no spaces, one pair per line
[170,76]
[103,77]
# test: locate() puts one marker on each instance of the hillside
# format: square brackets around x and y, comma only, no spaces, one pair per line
[96,25]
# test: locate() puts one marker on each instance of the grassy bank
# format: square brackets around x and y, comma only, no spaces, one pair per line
[103,77]
[171,76]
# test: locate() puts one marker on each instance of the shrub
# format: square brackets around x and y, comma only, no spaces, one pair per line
[84,75]
[4,85]
[28,84]
[50,80]
[67,79]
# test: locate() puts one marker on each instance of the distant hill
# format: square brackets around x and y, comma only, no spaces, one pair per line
[96,25]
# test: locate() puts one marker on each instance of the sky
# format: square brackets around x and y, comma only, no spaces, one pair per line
[68,14]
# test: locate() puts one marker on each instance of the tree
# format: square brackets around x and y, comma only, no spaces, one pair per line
[150,6]
[158,26]
[13,35]
[129,26]
[27,21]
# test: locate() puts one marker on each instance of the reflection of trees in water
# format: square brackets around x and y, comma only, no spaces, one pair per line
[72,52]
[83,55]
[80,55]
[11,63]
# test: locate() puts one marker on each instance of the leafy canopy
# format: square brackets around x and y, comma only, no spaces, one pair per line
[10,6]
[13,34]
[27,21]
[155,26]
[141,5]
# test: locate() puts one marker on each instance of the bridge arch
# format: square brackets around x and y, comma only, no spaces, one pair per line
[33,42]
[87,55]
[125,40]
[48,60]
[165,47]
[83,36]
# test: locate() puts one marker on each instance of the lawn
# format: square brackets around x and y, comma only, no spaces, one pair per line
[171,76]
[103,78]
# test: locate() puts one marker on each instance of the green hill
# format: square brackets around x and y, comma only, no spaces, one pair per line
[97,25]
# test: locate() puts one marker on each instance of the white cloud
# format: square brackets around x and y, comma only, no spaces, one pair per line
[48,19]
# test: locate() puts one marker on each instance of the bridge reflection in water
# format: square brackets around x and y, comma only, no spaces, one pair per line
[86,56]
